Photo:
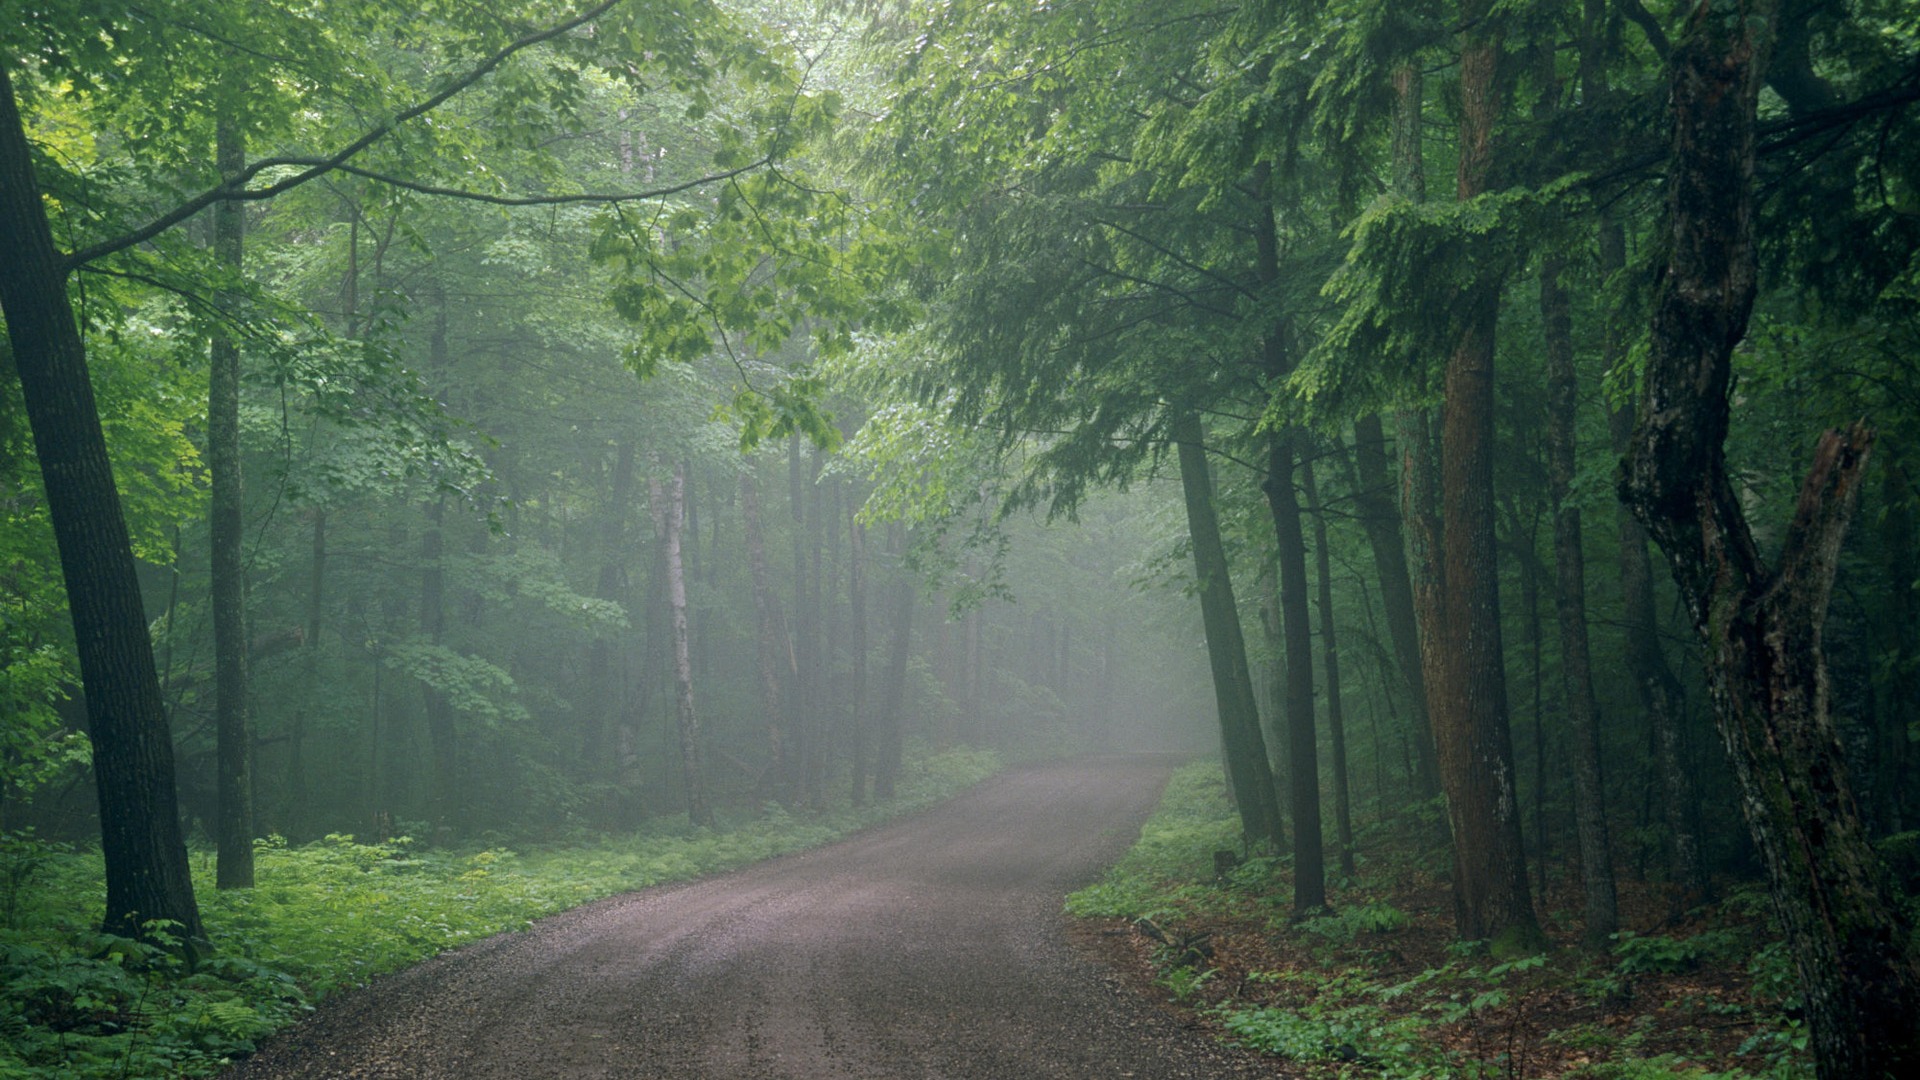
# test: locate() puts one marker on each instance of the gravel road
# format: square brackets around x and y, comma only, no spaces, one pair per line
[933,947]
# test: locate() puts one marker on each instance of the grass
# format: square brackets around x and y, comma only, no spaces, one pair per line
[79,1004]
[1378,987]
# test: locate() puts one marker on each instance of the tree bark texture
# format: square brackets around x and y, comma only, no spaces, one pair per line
[1761,626]
[146,858]
[233,737]
[1330,662]
[1245,749]
[1601,905]
[692,771]
[604,681]
[1471,736]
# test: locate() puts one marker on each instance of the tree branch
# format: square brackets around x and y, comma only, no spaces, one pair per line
[601,198]
[234,187]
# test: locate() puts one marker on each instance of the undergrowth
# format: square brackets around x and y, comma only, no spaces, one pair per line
[1378,987]
[78,1004]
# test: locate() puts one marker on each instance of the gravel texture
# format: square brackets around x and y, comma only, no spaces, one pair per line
[933,947]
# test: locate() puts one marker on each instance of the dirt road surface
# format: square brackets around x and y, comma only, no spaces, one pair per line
[930,948]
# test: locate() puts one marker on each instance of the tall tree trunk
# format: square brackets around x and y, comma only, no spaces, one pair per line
[693,774]
[1570,603]
[1296,623]
[1245,749]
[1761,625]
[1420,469]
[772,651]
[886,766]
[800,639]
[147,875]
[1492,900]
[1330,660]
[233,738]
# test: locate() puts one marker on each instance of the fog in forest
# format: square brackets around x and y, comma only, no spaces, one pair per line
[1399,520]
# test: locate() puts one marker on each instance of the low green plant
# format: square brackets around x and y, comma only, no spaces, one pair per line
[1348,924]
[1654,954]
[1185,981]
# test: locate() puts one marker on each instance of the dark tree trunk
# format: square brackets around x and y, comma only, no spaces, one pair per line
[692,772]
[1761,625]
[800,640]
[1330,660]
[1570,603]
[146,860]
[1296,622]
[233,738]
[1661,696]
[1492,899]
[1245,749]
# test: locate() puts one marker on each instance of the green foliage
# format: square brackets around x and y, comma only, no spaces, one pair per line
[1638,954]
[1348,923]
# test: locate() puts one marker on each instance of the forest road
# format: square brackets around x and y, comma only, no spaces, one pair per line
[934,947]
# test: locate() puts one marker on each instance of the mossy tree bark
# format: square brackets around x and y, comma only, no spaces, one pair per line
[1761,625]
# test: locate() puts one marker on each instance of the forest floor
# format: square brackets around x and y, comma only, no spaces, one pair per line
[1381,987]
[932,947]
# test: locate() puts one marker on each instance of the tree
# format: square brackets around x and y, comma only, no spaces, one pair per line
[1761,625]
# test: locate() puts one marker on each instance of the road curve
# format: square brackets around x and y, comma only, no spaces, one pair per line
[933,947]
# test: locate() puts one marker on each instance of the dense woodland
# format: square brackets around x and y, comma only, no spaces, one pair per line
[1491,426]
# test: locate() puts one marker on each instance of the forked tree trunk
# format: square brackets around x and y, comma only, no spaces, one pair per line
[1761,625]
[233,737]
[146,859]
[692,772]
[1241,742]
